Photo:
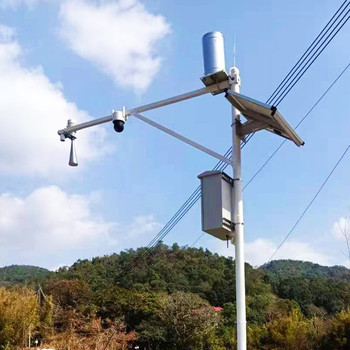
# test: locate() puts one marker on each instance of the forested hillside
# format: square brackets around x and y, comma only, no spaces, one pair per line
[21,273]
[164,298]
[295,268]
[317,289]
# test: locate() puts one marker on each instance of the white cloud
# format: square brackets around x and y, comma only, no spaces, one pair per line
[50,228]
[341,228]
[120,38]
[140,226]
[32,109]
[341,231]
[259,252]
[138,232]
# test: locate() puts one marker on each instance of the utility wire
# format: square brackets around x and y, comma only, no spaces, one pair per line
[198,238]
[219,166]
[196,195]
[309,50]
[284,88]
[310,203]
[192,198]
[307,65]
[305,116]
[183,210]
[283,142]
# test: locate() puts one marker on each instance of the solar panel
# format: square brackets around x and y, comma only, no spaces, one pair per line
[261,116]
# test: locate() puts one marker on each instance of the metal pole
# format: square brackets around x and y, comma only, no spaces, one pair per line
[168,101]
[237,216]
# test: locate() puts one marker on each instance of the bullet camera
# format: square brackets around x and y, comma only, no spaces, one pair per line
[119,120]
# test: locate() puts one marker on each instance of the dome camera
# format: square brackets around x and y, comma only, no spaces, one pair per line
[118,125]
[119,120]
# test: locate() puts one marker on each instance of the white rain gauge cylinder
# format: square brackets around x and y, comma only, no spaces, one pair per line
[213,53]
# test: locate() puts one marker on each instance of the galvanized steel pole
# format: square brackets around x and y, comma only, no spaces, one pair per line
[237,218]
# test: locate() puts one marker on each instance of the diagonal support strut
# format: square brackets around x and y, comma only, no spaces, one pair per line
[181,138]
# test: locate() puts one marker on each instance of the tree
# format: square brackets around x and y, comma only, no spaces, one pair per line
[338,336]
[19,316]
[183,321]
[344,228]
[293,332]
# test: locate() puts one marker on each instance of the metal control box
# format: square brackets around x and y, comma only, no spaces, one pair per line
[217,190]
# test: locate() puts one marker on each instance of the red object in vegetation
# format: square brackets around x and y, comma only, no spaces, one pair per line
[217,308]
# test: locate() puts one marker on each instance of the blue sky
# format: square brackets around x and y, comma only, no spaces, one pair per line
[82,58]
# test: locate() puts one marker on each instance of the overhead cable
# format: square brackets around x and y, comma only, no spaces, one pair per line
[283,142]
[312,59]
[305,116]
[310,203]
[308,51]
[189,203]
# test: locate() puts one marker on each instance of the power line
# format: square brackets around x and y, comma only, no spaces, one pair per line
[305,116]
[307,65]
[300,122]
[178,216]
[293,82]
[196,195]
[190,201]
[219,166]
[310,203]
[200,236]
[308,51]
[181,212]
[286,87]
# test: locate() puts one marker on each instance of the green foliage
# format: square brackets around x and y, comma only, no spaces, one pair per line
[291,332]
[328,294]
[15,274]
[164,298]
[182,321]
[317,289]
[295,268]
[19,316]
[168,270]
[338,334]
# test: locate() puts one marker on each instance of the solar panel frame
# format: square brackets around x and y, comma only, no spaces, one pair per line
[260,116]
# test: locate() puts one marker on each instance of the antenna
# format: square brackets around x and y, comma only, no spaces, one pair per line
[234,49]
[228,198]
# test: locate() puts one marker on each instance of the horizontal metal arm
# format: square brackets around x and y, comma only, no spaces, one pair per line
[182,138]
[209,89]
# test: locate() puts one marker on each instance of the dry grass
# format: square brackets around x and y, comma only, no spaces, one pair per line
[92,337]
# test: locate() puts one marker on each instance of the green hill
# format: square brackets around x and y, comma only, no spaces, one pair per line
[184,298]
[15,274]
[296,268]
[212,277]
